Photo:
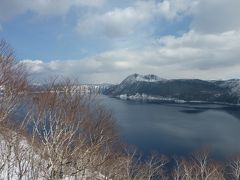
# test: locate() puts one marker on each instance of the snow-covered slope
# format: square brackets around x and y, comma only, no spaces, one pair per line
[233,84]
[142,78]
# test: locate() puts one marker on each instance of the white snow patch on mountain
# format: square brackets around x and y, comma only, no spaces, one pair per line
[233,84]
[143,78]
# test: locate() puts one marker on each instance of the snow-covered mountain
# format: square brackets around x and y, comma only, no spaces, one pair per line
[152,87]
[232,84]
[142,78]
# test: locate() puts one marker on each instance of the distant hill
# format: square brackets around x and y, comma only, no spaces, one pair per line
[152,87]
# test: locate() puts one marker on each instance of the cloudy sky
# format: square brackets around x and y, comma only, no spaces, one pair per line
[99,41]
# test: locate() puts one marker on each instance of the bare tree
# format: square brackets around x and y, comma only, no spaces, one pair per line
[234,168]
[206,168]
[13,81]
[198,167]
[74,137]
[184,169]
[153,168]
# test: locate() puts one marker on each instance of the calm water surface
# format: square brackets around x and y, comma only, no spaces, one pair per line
[177,129]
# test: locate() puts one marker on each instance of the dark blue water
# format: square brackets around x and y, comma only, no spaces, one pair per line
[177,129]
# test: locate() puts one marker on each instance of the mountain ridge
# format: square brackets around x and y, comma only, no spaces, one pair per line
[152,87]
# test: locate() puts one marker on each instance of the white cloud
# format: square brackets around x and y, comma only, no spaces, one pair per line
[204,51]
[11,8]
[213,16]
[174,9]
[118,22]
[193,55]
[125,21]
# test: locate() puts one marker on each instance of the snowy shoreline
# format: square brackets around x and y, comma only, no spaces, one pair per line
[148,98]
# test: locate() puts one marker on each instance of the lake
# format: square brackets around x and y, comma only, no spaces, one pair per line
[177,129]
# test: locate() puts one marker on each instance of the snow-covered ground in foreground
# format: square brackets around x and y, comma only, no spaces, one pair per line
[18,160]
[14,157]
